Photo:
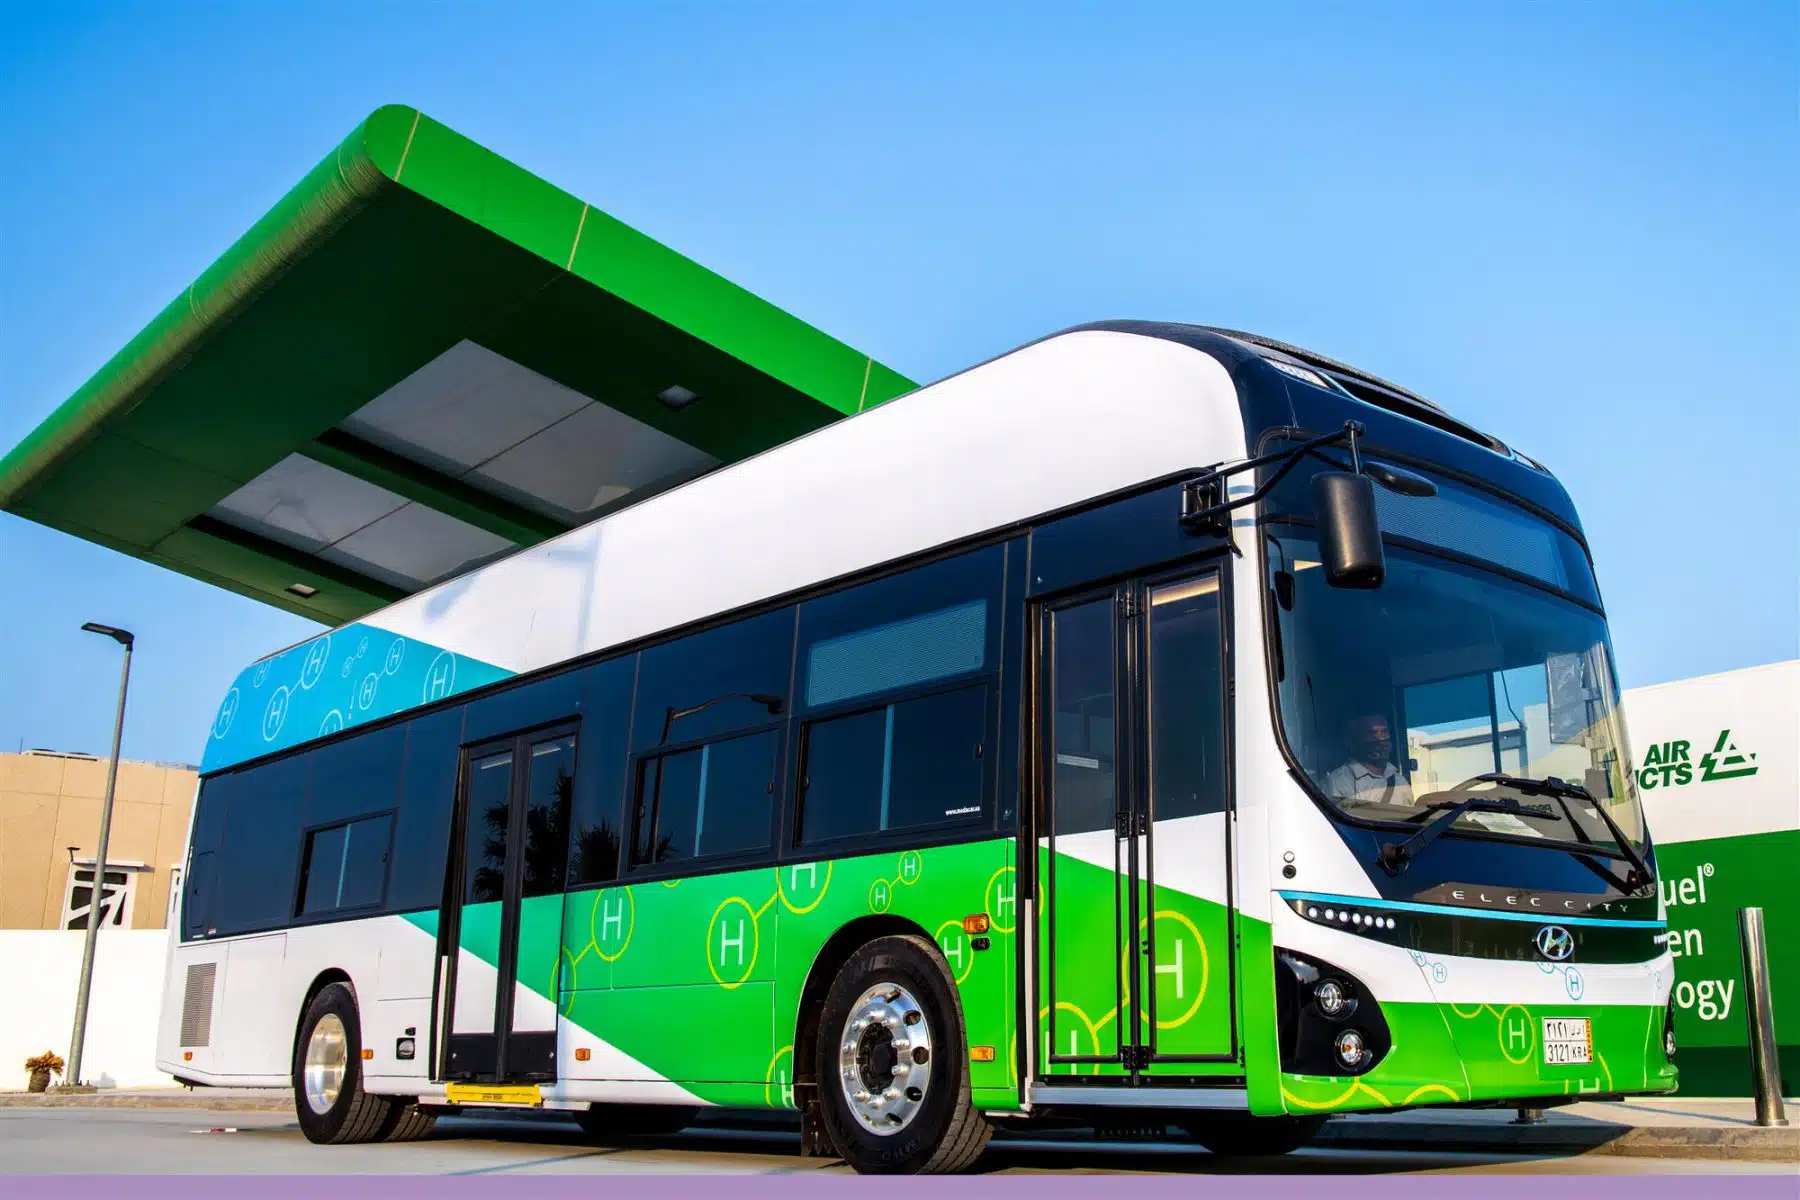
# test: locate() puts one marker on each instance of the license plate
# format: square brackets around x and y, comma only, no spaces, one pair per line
[1568,1041]
[521,1096]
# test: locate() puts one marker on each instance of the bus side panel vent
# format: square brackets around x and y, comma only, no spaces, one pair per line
[197,1004]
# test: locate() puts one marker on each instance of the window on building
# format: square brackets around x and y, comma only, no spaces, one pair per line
[117,892]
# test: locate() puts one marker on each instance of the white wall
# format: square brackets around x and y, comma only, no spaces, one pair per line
[39,970]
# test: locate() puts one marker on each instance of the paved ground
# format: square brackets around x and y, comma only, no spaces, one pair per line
[121,1139]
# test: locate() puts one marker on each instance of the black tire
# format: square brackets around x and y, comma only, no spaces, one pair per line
[946,1133]
[604,1122]
[353,1115]
[410,1122]
[1241,1135]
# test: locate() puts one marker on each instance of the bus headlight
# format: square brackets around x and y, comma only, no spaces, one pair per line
[1669,1030]
[1314,1002]
[1333,999]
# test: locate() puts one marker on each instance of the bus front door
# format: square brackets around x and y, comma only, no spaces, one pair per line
[499,942]
[1135,939]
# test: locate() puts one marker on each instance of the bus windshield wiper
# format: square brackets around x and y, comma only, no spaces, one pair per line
[1563,791]
[1395,855]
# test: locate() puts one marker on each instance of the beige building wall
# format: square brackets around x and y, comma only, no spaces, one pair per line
[50,802]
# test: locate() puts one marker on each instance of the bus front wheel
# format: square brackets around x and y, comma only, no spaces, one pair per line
[1241,1134]
[893,1073]
[328,1093]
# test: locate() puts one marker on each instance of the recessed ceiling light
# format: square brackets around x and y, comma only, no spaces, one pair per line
[302,590]
[677,397]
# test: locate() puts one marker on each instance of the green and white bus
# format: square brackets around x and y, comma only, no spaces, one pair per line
[1153,724]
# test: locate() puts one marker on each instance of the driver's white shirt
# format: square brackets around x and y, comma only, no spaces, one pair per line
[1369,785]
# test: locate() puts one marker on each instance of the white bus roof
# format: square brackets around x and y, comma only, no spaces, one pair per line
[1058,422]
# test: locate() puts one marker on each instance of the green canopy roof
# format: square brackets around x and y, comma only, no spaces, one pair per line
[421,358]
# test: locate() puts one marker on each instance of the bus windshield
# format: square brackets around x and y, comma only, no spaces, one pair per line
[1395,701]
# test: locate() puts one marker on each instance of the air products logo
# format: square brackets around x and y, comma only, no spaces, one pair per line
[1667,763]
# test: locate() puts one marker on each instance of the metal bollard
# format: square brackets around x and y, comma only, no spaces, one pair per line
[1765,1060]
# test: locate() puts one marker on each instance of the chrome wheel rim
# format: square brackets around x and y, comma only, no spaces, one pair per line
[885,1057]
[327,1058]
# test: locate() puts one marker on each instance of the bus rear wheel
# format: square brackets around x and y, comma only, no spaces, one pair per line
[893,1076]
[328,1092]
[411,1122]
[1240,1134]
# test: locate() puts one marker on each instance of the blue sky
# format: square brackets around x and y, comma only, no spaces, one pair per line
[1573,225]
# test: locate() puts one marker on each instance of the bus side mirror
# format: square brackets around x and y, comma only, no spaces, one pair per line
[1349,532]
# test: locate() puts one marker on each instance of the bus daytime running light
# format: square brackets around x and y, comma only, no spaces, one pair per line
[1344,916]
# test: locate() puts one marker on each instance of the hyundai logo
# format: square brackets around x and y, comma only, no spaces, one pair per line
[1555,943]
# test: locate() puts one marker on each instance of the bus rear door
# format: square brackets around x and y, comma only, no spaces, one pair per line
[500,940]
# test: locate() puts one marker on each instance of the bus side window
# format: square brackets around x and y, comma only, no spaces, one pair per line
[427,797]
[254,885]
[897,693]
[594,818]
[710,801]
[705,730]
[198,899]
[910,764]
[346,866]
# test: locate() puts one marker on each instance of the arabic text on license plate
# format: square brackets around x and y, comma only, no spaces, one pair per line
[1567,1041]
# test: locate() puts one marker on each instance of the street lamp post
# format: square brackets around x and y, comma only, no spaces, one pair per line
[124,638]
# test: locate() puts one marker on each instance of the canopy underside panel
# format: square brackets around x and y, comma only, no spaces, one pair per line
[422,359]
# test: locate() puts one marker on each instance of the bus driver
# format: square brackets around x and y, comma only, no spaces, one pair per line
[1369,776]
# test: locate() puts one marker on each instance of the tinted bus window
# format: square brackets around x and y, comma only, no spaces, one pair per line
[600,781]
[346,866]
[910,764]
[256,874]
[713,800]
[489,815]
[890,742]
[931,624]
[427,798]
[716,682]
[356,776]
[549,793]
[208,837]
